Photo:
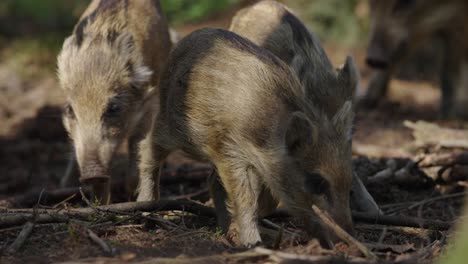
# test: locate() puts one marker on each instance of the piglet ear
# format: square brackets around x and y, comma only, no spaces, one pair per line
[139,73]
[343,120]
[300,132]
[348,75]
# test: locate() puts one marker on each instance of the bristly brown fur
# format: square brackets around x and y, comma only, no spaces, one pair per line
[228,101]
[108,68]
[273,26]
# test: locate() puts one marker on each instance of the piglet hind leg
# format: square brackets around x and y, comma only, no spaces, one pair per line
[220,200]
[243,189]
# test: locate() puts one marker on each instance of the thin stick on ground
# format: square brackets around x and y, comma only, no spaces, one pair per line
[21,239]
[101,243]
[85,199]
[64,201]
[435,199]
[275,226]
[401,220]
[16,217]
[330,223]
[278,239]
[279,256]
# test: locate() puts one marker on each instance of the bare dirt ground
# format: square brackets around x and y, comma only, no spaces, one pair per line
[34,151]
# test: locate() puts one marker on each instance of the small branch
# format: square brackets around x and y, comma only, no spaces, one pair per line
[401,220]
[400,249]
[438,159]
[15,217]
[278,239]
[9,220]
[431,200]
[21,239]
[84,198]
[385,174]
[426,133]
[420,232]
[29,199]
[283,257]
[101,243]
[328,221]
[275,226]
[20,216]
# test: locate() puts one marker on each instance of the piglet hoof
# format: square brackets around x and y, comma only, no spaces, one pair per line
[254,245]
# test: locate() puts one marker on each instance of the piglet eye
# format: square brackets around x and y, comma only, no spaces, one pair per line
[68,110]
[113,109]
[316,184]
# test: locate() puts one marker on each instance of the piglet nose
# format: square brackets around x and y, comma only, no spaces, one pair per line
[100,190]
[97,177]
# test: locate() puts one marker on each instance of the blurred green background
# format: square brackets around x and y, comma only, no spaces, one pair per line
[32,31]
[334,20]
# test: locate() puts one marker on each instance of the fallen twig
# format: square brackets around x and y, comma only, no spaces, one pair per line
[441,159]
[275,226]
[342,234]
[283,257]
[21,239]
[243,257]
[438,198]
[278,239]
[14,217]
[426,133]
[47,197]
[391,166]
[420,232]
[400,249]
[401,221]
[101,243]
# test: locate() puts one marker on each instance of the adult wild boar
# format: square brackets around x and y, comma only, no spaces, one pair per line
[107,69]
[399,27]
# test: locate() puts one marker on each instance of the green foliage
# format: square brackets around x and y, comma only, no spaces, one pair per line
[337,20]
[31,57]
[180,11]
[19,17]
[456,252]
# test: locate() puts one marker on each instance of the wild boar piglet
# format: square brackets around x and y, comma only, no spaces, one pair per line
[107,68]
[271,25]
[230,102]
